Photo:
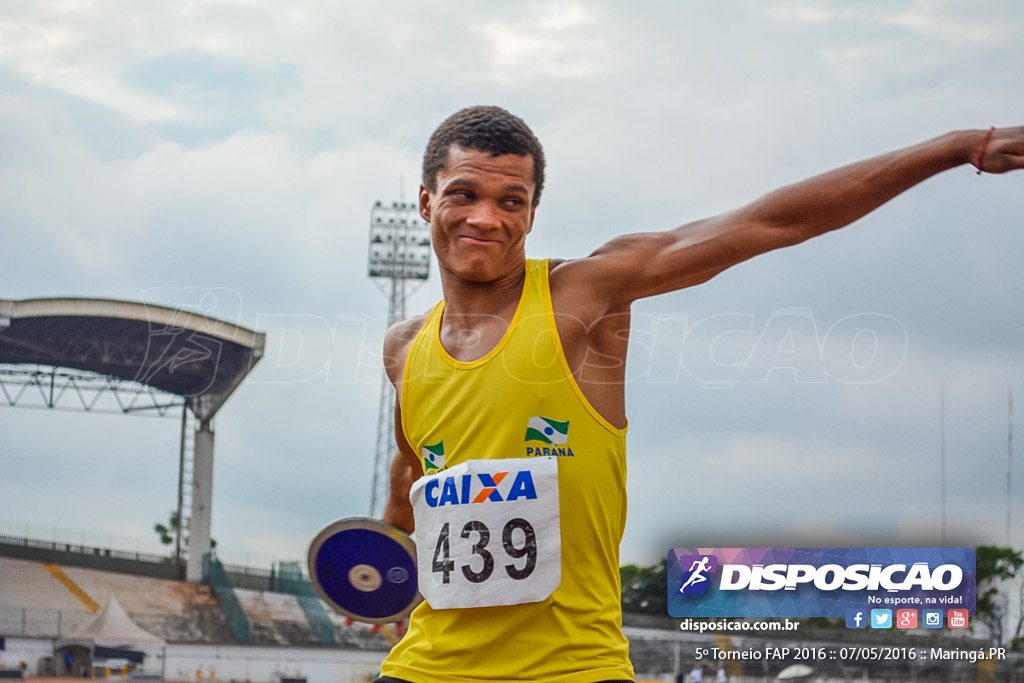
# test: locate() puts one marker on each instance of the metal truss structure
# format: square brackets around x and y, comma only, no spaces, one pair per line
[132,358]
[59,388]
[399,251]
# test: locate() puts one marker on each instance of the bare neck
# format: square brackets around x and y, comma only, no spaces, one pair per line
[468,298]
[477,315]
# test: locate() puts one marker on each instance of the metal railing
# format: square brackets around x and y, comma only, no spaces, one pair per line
[50,623]
[214,572]
[98,557]
[291,580]
[62,547]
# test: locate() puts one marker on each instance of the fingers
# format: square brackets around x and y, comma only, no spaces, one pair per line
[1001,150]
[391,632]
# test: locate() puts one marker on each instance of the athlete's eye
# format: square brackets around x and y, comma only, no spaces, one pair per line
[462,195]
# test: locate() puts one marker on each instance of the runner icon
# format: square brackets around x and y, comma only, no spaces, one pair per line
[697,570]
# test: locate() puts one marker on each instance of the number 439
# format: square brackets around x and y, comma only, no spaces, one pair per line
[527,548]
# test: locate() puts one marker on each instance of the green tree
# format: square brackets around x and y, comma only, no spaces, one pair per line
[168,531]
[995,564]
[645,589]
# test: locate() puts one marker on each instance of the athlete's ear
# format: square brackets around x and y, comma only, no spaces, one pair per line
[533,214]
[424,204]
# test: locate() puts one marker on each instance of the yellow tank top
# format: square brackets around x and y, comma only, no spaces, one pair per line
[520,400]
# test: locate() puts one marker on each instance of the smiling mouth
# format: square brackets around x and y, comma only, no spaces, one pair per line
[478,241]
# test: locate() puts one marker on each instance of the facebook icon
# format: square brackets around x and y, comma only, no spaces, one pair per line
[855,618]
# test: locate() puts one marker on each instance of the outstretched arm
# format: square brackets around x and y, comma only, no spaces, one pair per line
[637,266]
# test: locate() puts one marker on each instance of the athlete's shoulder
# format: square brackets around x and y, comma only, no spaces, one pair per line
[561,271]
[585,278]
[576,269]
[406,329]
[397,341]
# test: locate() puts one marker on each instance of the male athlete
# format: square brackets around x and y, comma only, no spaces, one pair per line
[510,407]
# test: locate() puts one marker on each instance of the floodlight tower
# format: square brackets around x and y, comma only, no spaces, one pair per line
[399,251]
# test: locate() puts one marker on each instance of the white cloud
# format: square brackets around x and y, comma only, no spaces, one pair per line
[948,22]
[172,148]
[556,40]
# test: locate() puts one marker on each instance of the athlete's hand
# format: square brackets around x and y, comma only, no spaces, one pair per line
[391,632]
[1003,151]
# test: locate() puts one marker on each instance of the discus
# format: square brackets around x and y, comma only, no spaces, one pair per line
[365,569]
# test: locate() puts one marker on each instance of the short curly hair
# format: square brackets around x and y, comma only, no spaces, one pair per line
[486,129]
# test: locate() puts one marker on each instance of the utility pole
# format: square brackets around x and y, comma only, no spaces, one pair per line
[1009,472]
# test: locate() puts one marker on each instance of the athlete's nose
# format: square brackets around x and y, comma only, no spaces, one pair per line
[484,216]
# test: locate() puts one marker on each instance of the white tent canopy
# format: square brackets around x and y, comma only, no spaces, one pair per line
[110,626]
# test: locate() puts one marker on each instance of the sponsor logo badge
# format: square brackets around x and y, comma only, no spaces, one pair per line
[902,583]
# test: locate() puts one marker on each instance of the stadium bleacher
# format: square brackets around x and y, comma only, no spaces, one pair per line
[28,584]
[33,602]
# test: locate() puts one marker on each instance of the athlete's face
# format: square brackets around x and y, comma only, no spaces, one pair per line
[480,214]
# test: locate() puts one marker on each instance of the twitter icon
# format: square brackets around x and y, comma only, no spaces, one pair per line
[881,618]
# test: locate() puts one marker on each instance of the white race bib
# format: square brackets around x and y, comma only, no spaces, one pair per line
[488,533]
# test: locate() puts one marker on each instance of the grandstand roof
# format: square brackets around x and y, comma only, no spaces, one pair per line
[199,358]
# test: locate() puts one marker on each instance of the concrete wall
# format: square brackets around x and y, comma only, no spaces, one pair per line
[259,664]
[28,650]
[222,663]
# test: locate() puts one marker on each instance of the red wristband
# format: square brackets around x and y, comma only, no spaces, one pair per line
[984,146]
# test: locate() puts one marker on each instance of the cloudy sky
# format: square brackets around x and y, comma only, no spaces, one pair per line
[224,156]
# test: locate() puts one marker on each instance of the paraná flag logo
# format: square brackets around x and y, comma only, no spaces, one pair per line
[433,457]
[547,430]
